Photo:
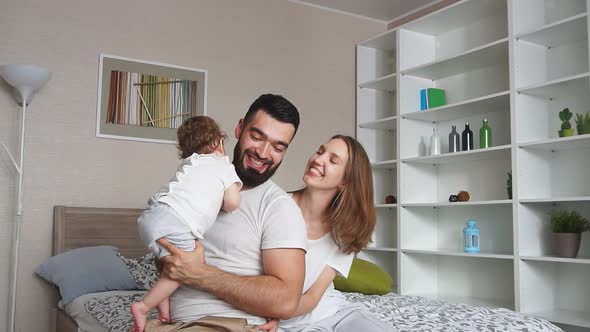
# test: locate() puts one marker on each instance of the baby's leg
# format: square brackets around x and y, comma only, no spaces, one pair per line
[164,311]
[163,288]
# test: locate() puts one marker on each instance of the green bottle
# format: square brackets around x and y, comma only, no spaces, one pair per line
[485,135]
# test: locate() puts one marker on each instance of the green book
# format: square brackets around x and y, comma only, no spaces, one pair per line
[436,97]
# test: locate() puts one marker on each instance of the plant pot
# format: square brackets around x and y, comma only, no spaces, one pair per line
[566,245]
[509,190]
[566,132]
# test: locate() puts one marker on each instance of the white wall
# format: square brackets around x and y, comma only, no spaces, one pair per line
[249,47]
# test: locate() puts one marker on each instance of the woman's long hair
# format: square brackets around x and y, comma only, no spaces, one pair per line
[351,216]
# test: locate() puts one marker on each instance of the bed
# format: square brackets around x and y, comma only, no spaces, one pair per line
[76,227]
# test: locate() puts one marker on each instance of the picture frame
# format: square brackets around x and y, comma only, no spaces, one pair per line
[140,100]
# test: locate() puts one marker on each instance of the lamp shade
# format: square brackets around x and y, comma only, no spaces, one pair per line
[26,79]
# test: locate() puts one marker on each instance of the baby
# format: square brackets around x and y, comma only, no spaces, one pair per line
[187,206]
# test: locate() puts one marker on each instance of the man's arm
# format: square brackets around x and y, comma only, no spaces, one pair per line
[275,294]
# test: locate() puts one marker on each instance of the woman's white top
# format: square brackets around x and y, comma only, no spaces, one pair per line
[321,253]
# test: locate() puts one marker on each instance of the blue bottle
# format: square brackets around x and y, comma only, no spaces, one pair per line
[471,237]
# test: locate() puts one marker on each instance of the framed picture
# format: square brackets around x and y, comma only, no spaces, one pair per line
[146,101]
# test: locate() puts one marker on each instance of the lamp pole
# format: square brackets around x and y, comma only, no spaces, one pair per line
[25,79]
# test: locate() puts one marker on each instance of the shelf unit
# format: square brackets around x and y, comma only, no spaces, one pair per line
[516,63]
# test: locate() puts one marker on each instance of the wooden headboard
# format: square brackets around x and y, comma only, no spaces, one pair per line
[75,227]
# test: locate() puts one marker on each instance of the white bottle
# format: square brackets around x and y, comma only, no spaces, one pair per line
[434,143]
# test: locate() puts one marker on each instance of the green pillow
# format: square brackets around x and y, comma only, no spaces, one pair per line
[366,278]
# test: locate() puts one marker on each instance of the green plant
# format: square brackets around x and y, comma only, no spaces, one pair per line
[564,221]
[583,123]
[565,117]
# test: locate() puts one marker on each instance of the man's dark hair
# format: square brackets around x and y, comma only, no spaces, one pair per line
[277,106]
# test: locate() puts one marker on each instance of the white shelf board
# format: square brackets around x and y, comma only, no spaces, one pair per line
[569,30]
[491,103]
[385,206]
[554,200]
[555,88]
[446,252]
[491,303]
[570,317]
[556,259]
[388,164]
[452,204]
[480,57]
[560,143]
[388,123]
[384,41]
[386,249]
[386,83]
[456,16]
[494,153]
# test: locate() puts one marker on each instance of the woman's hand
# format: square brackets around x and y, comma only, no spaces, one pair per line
[272,325]
[182,266]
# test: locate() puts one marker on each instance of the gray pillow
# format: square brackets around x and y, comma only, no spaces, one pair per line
[86,270]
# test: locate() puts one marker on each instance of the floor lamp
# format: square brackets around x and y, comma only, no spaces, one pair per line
[26,80]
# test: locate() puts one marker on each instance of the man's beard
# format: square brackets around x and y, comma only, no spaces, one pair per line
[251,177]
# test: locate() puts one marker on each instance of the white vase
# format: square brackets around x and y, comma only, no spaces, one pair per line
[434,148]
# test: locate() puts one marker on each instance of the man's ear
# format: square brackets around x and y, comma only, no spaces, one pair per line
[239,128]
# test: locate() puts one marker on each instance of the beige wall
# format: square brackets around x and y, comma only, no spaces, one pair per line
[249,47]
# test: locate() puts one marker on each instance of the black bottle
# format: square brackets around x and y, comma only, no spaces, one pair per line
[467,138]
[454,140]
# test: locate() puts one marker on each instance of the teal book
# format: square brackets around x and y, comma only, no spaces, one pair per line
[436,97]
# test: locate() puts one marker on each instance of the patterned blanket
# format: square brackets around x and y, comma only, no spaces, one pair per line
[404,313]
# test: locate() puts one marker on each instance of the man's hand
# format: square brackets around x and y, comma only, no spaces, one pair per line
[272,325]
[183,266]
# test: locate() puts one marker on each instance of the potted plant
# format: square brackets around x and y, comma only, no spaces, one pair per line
[583,123]
[509,185]
[566,127]
[567,227]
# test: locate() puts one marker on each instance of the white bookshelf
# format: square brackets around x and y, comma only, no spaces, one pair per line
[516,63]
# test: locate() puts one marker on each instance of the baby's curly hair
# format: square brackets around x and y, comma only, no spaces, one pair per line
[199,134]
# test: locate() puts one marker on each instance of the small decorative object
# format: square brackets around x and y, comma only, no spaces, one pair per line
[454,140]
[434,143]
[467,138]
[423,100]
[583,123]
[567,227]
[485,135]
[463,196]
[432,97]
[509,185]
[471,237]
[436,97]
[566,127]
[390,199]
[453,198]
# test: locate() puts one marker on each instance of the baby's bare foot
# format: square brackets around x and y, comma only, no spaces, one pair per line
[139,311]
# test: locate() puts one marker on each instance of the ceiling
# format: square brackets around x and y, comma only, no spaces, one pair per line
[381,10]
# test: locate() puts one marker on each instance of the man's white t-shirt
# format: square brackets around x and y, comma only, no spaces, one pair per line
[268,218]
[196,190]
[321,253]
